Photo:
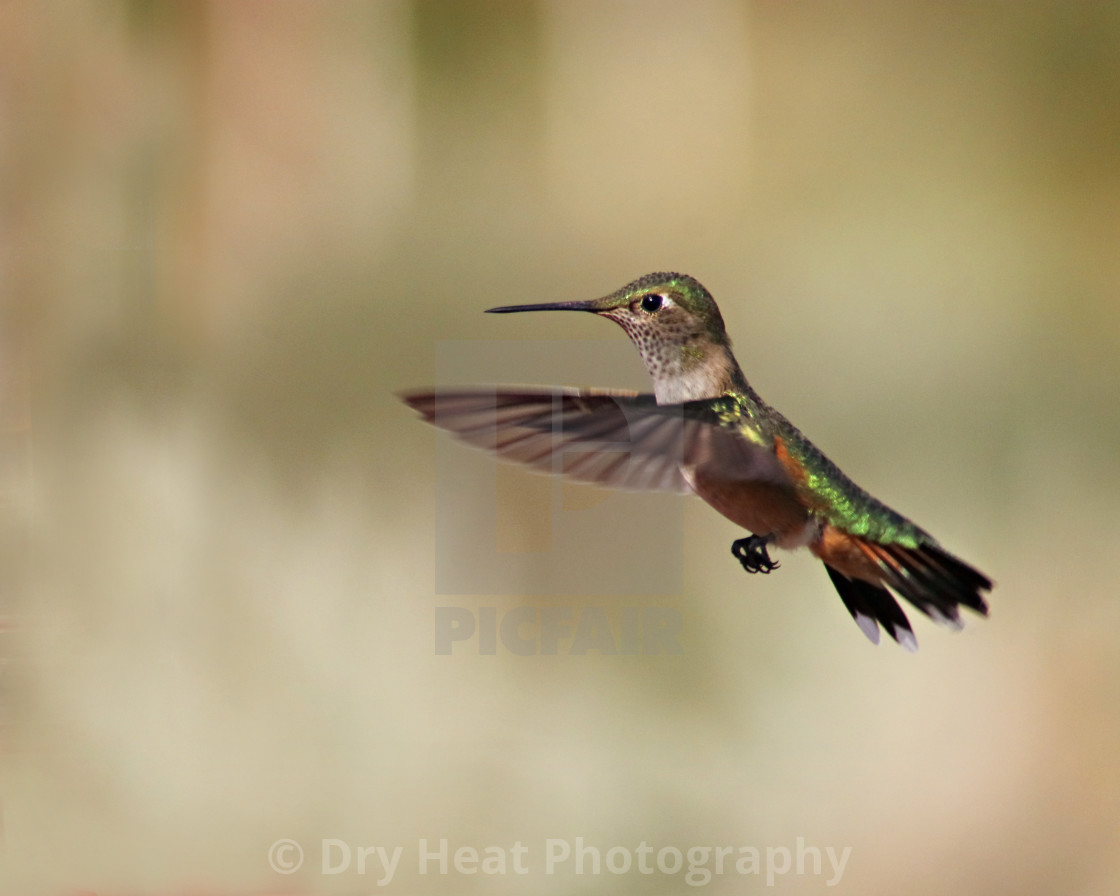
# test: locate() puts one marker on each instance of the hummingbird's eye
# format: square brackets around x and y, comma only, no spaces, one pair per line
[652,303]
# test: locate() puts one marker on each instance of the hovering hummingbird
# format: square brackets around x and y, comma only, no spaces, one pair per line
[705,430]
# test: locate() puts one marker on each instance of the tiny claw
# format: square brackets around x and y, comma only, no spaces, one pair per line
[752,554]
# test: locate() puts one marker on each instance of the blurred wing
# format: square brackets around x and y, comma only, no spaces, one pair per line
[612,438]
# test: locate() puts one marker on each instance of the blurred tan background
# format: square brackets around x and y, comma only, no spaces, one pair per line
[229,232]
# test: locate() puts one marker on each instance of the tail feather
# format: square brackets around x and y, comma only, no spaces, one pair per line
[872,606]
[932,579]
[929,577]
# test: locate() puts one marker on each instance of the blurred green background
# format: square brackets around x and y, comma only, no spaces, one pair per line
[229,232]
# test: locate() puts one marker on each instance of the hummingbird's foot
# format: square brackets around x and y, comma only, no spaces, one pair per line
[751,552]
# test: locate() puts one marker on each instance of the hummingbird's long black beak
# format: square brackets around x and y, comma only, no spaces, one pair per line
[547,306]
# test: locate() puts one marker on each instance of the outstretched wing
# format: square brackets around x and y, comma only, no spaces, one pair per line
[612,438]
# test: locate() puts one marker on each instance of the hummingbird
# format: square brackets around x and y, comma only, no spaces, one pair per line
[704,430]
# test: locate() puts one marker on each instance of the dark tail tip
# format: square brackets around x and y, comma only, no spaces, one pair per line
[934,581]
[928,576]
[872,606]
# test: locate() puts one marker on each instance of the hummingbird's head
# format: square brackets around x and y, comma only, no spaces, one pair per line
[676,326]
[664,309]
